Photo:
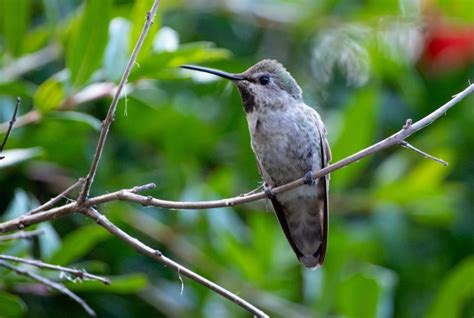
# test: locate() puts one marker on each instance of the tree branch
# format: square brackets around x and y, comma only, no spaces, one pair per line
[23,221]
[113,106]
[57,198]
[52,284]
[21,235]
[10,125]
[158,256]
[424,154]
[77,273]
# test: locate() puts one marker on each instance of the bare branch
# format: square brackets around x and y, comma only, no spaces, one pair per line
[158,256]
[57,198]
[23,221]
[51,284]
[113,106]
[10,125]
[80,274]
[21,235]
[424,154]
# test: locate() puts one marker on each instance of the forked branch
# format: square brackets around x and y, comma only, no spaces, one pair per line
[104,132]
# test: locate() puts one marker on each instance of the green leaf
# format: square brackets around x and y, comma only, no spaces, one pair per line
[78,117]
[36,39]
[423,191]
[117,53]
[352,302]
[358,125]
[15,16]
[49,241]
[11,305]
[16,156]
[49,96]
[197,52]
[16,88]
[456,290]
[78,243]
[126,284]
[88,40]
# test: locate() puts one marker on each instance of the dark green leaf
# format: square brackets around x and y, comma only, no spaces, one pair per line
[15,17]
[78,243]
[11,306]
[455,291]
[357,132]
[86,46]
[17,88]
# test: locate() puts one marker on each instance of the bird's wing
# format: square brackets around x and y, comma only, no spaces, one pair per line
[277,206]
[326,156]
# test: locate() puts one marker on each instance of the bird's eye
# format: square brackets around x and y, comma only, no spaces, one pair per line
[264,79]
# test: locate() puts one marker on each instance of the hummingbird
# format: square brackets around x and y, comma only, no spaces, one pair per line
[289,141]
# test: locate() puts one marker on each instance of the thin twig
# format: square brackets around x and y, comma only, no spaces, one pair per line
[158,256]
[52,284]
[50,203]
[77,273]
[256,190]
[10,125]
[113,106]
[21,235]
[424,154]
[23,221]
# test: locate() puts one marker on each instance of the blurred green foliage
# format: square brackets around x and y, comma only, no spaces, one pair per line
[401,240]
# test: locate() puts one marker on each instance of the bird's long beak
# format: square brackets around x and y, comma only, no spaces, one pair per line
[230,76]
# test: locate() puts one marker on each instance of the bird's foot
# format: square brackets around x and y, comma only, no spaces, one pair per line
[268,191]
[308,178]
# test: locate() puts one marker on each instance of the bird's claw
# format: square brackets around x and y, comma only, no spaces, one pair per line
[308,178]
[268,191]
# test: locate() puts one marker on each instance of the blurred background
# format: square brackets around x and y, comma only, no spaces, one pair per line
[401,241]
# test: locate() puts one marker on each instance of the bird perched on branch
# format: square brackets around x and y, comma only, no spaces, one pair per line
[289,142]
